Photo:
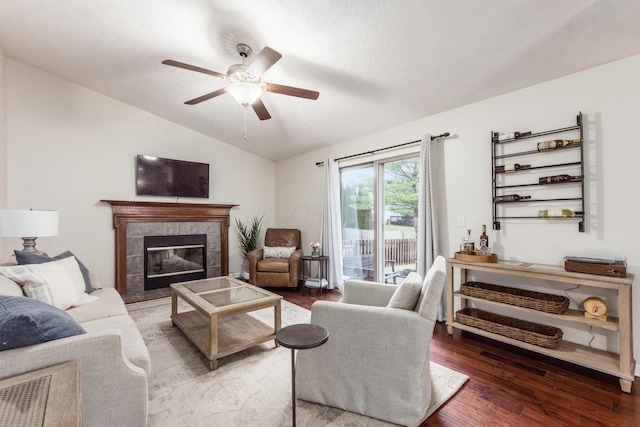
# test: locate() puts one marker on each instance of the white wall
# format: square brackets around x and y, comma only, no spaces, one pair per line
[608,97]
[70,147]
[3,142]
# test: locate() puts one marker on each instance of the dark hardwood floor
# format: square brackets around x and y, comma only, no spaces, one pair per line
[509,386]
[305,297]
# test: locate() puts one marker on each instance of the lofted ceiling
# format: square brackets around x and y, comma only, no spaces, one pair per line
[376,63]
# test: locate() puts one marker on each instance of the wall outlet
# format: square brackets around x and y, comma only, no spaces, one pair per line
[462,221]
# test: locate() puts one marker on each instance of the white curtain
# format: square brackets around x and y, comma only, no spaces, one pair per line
[331,228]
[428,211]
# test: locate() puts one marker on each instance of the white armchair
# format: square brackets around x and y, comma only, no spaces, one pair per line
[376,361]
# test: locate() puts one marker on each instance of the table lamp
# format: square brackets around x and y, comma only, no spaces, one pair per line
[29,223]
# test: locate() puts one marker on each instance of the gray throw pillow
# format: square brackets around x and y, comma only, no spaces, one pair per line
[25,258]
[26,321]
[407,294]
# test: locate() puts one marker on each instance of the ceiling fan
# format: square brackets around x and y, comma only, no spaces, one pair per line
[245,84]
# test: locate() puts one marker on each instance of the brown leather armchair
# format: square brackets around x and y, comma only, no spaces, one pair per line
[266,272]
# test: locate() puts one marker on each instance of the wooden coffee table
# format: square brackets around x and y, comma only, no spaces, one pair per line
[219,324]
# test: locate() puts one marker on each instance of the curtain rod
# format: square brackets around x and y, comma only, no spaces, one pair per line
[443,135]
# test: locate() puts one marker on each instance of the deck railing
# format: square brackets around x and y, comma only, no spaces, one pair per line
[402,250]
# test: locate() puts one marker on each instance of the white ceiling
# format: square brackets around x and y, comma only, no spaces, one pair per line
[376,63]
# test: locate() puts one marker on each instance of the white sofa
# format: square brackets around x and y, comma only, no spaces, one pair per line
[113,358]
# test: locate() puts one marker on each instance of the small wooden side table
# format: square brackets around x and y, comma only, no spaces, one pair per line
[300,337]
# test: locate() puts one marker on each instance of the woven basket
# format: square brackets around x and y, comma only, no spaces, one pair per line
[548,303]
[521,330]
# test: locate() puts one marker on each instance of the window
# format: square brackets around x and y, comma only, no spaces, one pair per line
[379,212]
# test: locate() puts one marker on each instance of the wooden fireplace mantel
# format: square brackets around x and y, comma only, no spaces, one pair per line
[131,211]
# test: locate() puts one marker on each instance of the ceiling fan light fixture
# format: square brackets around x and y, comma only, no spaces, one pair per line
[244,79]
[243,92]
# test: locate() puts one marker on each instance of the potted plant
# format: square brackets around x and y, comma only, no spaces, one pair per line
[249,238]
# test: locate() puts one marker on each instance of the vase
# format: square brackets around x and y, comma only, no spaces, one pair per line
[315,252]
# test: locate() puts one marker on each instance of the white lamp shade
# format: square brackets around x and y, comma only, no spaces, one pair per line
[243,92]
[28,223]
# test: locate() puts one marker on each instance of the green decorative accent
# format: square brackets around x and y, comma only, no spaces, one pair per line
[249,236]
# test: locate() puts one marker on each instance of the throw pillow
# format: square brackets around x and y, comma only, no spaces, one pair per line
[95,283]
[9,287]
[407,294]
[31,258]
[278,251]
[26,321]
[58,283]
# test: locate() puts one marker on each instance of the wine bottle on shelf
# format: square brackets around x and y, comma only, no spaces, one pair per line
[510,198]
[557,143]
[484,239]
[559,178]
[504,137]
[511,167]
[558,213]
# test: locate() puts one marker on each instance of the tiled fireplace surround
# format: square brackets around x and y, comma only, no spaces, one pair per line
[136,232]
[133,221]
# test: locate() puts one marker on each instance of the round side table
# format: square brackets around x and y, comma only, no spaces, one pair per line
[320,282]
[300,337]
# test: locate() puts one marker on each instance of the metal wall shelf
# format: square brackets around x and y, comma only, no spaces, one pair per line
[537,184]
[525,153]
[507,180]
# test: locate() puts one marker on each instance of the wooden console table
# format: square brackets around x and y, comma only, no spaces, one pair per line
[621,365]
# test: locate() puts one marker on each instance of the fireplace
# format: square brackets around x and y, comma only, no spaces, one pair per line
[171,259]
[133,222]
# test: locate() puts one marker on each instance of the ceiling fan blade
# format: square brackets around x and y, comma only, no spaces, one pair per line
[213,94]
[292,91]
[260,109]
[193,68]
[265,60]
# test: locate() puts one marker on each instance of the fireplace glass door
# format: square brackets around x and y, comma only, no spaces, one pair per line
[172,259]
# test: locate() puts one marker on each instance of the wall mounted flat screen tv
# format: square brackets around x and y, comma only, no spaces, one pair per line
[172,178]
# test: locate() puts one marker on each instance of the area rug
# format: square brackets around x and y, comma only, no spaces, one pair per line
[250,388]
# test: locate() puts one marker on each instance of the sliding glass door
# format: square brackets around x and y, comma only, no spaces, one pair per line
[379,211]
[358,222]
[399,233]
